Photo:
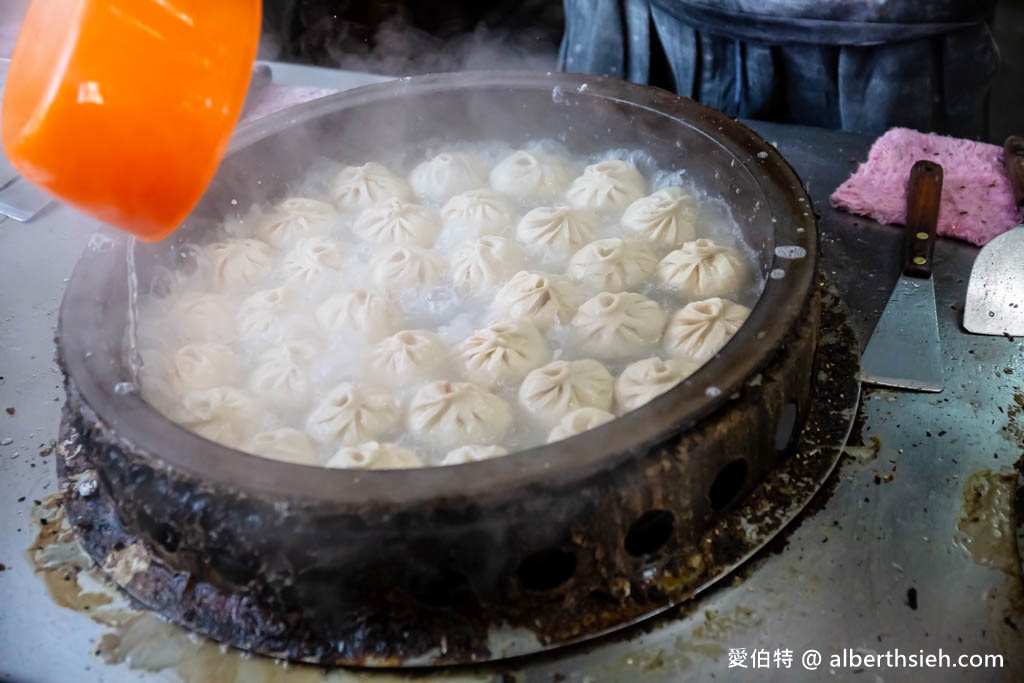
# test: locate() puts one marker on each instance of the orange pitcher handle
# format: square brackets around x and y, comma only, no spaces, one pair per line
[124,108]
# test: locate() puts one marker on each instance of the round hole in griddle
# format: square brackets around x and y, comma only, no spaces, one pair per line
[167,538]
[728,484]
[546,569]
[236,570]
[441,589]
[163,534]
[785,427]
[649,533]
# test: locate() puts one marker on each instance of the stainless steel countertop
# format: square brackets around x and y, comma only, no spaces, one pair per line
[841,581]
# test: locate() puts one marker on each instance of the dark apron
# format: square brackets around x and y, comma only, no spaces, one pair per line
[853,65]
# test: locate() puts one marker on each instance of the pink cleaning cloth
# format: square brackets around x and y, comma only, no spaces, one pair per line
[977,201]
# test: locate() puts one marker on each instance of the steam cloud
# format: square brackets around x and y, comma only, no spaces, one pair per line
[510,35]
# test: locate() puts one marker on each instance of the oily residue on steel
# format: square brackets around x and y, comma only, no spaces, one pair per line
[1014,428]
[144,642]
[985,530]
[58,559]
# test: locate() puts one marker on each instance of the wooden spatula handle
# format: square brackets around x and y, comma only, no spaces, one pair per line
[1013,153]
[923,196]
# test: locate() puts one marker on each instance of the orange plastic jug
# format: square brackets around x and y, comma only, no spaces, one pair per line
[124,108]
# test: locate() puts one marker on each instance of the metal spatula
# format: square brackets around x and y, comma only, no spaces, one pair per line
[904,350]
[995,292]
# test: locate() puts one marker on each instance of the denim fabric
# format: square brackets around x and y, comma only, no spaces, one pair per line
[855,65]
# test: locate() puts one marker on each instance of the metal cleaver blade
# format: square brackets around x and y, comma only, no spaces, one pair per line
[995,292]
[904,350]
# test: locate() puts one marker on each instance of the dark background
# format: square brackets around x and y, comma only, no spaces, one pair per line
[404,37]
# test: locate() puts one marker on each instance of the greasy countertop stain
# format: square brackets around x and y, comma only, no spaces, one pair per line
[985,529]
[144,642]
[64,567]
[986,532]
[1014,429]
[148,643]
[701,646]
[708,637]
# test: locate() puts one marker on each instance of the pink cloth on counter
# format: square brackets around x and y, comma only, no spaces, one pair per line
[977,201]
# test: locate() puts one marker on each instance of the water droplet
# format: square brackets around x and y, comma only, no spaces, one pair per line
[790,252]
[777,274]
[234,202]
[99,242]
[762,155]
[713,391]
[88,484]
[124,388]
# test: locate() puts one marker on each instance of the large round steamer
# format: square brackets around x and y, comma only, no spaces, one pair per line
[429,566]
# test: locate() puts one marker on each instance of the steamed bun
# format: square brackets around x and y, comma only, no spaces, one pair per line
[351,414]
[200,316]
[613,264]
[504,352]
[407,355]
[156,380]
[264,314]
[281,376]
[579,421]
[370,314]
[485,263]
[447,174]
[296,218]
[616,325]
[702,328]
[451,414]
[472,453]
[284,444]
[702,269]
[477,213]
[525,175]
[541,298]
[561,228]
[359,187]
[223,414]
[665,219]
[607,186]
[204,366]
[313,258]
[373,455]
[398,222]
[560,387]
[237,262]
[407,268]
[646,379]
